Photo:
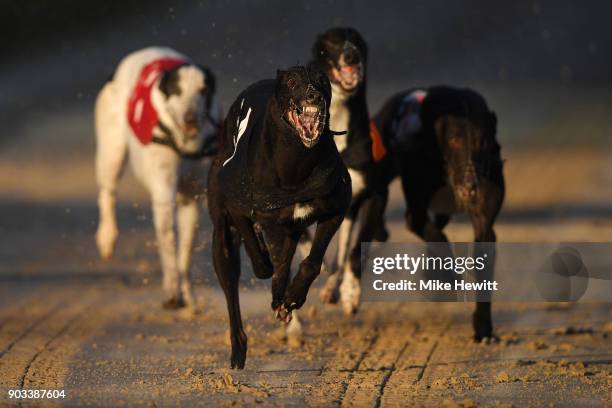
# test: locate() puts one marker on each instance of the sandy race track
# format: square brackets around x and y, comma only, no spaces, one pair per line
[69,321]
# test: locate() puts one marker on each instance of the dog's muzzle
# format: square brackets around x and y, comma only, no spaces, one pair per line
[308,118]
[349,76]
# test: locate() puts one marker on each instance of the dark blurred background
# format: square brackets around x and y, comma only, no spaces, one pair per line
[545,66]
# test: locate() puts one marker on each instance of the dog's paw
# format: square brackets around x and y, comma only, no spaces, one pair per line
[381,234]
[295,333]
[492,339]
[350,294]
[173,303]
[238,358]
[282,314]
[483,328]
[106,238]
[294,300]
[188,295]
[330,292]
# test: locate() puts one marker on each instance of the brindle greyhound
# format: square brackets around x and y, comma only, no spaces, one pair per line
[280,172]
[445,149]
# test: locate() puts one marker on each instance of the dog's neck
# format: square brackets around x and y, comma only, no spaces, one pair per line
[286,160]
[340,96]
[339,114]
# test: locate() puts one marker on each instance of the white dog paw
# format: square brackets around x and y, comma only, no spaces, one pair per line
[188,295]
[295,333]
[106,237]
[350,294]
[329,293]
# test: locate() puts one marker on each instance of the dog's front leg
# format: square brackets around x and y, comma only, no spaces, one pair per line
[350,288]
[282,246]
[482,319]
[187,219]
[311,266]
[163,214]
[330,292]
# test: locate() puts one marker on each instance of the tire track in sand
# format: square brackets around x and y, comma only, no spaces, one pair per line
[20,361]
[25,317]
[355,339]
[402,384]
[373,357]
[367,384]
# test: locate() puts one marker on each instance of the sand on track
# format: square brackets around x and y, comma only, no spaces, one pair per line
[69,321]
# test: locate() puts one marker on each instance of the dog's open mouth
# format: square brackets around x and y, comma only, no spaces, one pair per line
[308,121]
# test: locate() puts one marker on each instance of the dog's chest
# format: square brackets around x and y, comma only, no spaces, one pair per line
[358,181]
[302,211]
[339,118]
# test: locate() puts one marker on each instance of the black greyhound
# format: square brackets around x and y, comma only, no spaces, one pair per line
[444,147]
[279,172]
[342,54]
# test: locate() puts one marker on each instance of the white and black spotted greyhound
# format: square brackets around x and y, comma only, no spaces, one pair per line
[159,109]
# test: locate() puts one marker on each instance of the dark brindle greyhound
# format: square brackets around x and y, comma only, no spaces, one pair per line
[342,54]
[280,172]
[444,148]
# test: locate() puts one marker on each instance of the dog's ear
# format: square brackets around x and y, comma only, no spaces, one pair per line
[210,80]
[210,84]
[493,121]
[355,37]
[280,73]
[318,49]
[491,129]
[322,81]
[169,83]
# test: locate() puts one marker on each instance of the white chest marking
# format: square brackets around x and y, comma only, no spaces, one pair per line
[357,181]
[339,116]
[301,212]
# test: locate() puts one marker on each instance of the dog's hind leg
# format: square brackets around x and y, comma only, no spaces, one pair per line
[187,219]
[255,247]
[111,149]
[226,260]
